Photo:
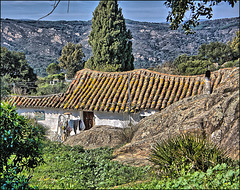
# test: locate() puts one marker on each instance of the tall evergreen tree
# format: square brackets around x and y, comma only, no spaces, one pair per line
[110,39]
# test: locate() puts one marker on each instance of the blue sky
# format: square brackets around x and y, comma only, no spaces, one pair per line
[150,11]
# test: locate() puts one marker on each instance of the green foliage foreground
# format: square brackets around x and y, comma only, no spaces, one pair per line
[190,162]
[20,148]
[221,176]
[75,168]
[183,163]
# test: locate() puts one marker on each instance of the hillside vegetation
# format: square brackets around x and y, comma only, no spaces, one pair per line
[153,43]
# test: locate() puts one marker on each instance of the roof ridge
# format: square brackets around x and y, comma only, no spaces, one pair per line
[42,96]
[133,71]
[150,71]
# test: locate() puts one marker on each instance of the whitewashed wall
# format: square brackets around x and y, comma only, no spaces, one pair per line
[100,118]
[115,119]
[51,116]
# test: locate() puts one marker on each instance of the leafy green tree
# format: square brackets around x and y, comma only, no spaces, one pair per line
[53,68]
[72,59]
[192,65]
[5,86]
[14,64]
[181,59]
[235,45]
[178,10]
[110,39]
[216,52]
[195,67]
[20,148]
[225,55]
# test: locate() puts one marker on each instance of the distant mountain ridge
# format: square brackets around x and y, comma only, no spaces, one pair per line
[153,43]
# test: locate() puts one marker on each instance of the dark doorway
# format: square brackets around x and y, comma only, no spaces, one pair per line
[88,120]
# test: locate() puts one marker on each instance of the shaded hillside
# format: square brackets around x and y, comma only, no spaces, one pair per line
[153,43]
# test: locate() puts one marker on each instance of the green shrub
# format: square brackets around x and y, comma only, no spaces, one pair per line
[20,148]
[234,63]
[185,153]
[12,180]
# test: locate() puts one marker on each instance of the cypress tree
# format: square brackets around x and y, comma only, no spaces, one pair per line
[110,39]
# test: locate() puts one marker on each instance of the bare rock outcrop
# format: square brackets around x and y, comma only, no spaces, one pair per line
[101,136]
[215,115]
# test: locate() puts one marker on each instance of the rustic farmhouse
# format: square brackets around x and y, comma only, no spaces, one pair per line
[116,98]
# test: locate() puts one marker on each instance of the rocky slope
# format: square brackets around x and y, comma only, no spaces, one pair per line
[215,115]
[153,43]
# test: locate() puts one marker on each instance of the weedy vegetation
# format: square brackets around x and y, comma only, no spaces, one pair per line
[190,162]
[75,168]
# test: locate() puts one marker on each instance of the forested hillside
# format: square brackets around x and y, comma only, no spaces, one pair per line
[153,43]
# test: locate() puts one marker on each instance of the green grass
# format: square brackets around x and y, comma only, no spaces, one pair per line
[75,168]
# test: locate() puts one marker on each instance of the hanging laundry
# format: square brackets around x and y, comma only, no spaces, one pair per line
[75,125]
[81,125]
[71,123]
[68,130]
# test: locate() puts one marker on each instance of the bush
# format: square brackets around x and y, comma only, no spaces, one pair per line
[234,63]
[185,153]
[20,147]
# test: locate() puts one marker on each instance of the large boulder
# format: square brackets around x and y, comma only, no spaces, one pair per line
[100,136]
[215,116]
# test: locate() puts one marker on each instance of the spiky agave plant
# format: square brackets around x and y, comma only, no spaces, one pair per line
[185,153]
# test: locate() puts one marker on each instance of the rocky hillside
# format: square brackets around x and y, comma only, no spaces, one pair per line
[153,43]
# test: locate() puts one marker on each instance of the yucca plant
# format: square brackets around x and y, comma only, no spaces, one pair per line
[185,153]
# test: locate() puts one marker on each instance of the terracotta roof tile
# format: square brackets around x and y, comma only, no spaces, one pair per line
[159,89]
[105,91]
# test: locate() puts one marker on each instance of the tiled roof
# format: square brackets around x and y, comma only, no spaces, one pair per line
[106,91]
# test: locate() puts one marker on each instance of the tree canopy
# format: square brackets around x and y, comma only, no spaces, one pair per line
[210,56]
[216,52]
[72,59]
[53,68]
[15,69]
[178,10]
[110,39]
[235,45]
